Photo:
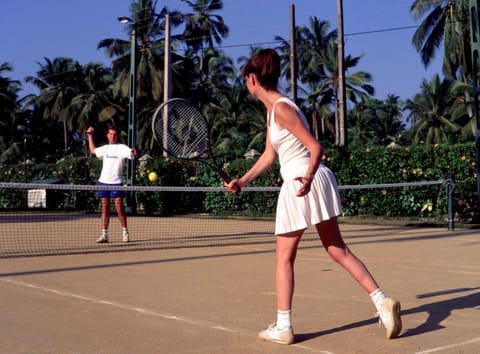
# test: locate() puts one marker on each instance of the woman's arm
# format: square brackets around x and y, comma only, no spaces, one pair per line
[264,162]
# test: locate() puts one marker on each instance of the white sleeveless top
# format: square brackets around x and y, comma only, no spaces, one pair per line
[291,152]
[322,202]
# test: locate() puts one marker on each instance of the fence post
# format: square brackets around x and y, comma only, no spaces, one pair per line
[450,185]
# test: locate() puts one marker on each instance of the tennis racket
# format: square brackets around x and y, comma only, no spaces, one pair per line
[182,131]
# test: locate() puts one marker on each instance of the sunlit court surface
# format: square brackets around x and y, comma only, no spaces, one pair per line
[216,299]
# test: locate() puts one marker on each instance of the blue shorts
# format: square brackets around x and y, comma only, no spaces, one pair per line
[109,193]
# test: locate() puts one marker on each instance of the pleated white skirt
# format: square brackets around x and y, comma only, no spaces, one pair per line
[320,204]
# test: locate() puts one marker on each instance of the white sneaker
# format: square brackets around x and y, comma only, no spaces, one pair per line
[278,335]
[389,315]
[103,238]
[126,236]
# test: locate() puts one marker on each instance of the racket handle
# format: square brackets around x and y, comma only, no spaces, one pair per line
[224,175]
[227,179]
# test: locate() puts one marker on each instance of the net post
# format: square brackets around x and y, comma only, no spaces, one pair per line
[131,206]
[450,184]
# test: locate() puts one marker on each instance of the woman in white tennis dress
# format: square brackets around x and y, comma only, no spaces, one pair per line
[309,196]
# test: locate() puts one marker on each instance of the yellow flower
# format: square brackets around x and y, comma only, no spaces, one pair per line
[463,158]
[367,150]
[414,172]
[384,192]
[427,206]
[404,170]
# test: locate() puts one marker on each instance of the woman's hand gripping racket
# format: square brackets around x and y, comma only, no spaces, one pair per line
[183,132]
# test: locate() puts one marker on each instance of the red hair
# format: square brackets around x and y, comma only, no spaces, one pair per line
[266,66]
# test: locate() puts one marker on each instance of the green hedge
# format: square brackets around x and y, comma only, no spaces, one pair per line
[394,165]
[367,166]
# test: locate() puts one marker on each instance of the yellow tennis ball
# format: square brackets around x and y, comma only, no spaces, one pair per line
[152,177]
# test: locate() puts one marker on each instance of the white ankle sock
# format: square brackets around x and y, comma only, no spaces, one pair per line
[377,297]
[284,318]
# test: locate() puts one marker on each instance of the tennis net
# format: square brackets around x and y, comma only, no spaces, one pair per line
[52,219]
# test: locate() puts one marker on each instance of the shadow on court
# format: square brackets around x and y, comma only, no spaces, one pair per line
[216,299]
[441,310]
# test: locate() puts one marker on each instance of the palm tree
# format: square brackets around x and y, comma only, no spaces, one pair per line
[466,122]
[317,105]
[361,128]
[202,26]
[8,96]
[58,81]
[317,37]
[93,101]
[390,125]
[237,121]
[318,70]
[149,27]
[431,112]
[150,32]
[204,29]
[12,122]
[91,98]
[356,84]
[447,20]
[376,122]
[215,72]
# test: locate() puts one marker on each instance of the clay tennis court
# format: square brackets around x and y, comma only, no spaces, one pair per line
[215,299]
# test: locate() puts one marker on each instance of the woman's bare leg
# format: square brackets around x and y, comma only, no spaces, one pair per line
[284,268]
[332,241]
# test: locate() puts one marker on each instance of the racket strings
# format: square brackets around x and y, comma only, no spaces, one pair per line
[183,130]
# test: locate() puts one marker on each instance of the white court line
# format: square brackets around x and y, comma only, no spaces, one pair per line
[119,305]
[439,349]
[195,322]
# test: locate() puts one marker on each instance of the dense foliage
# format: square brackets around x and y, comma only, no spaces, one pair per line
[359,167]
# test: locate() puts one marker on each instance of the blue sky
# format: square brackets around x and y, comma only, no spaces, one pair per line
[31,30]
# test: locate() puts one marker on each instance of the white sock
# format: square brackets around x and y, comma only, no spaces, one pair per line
[284,318]
[377,297]
[104,232]
[125,229]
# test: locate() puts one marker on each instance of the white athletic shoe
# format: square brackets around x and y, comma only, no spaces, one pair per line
[103,238]
[126,236]
[389,315]
[278,335]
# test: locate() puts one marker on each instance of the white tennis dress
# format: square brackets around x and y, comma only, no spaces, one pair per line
[323,200]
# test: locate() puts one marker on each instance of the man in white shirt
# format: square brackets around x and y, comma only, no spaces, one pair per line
[113,156]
